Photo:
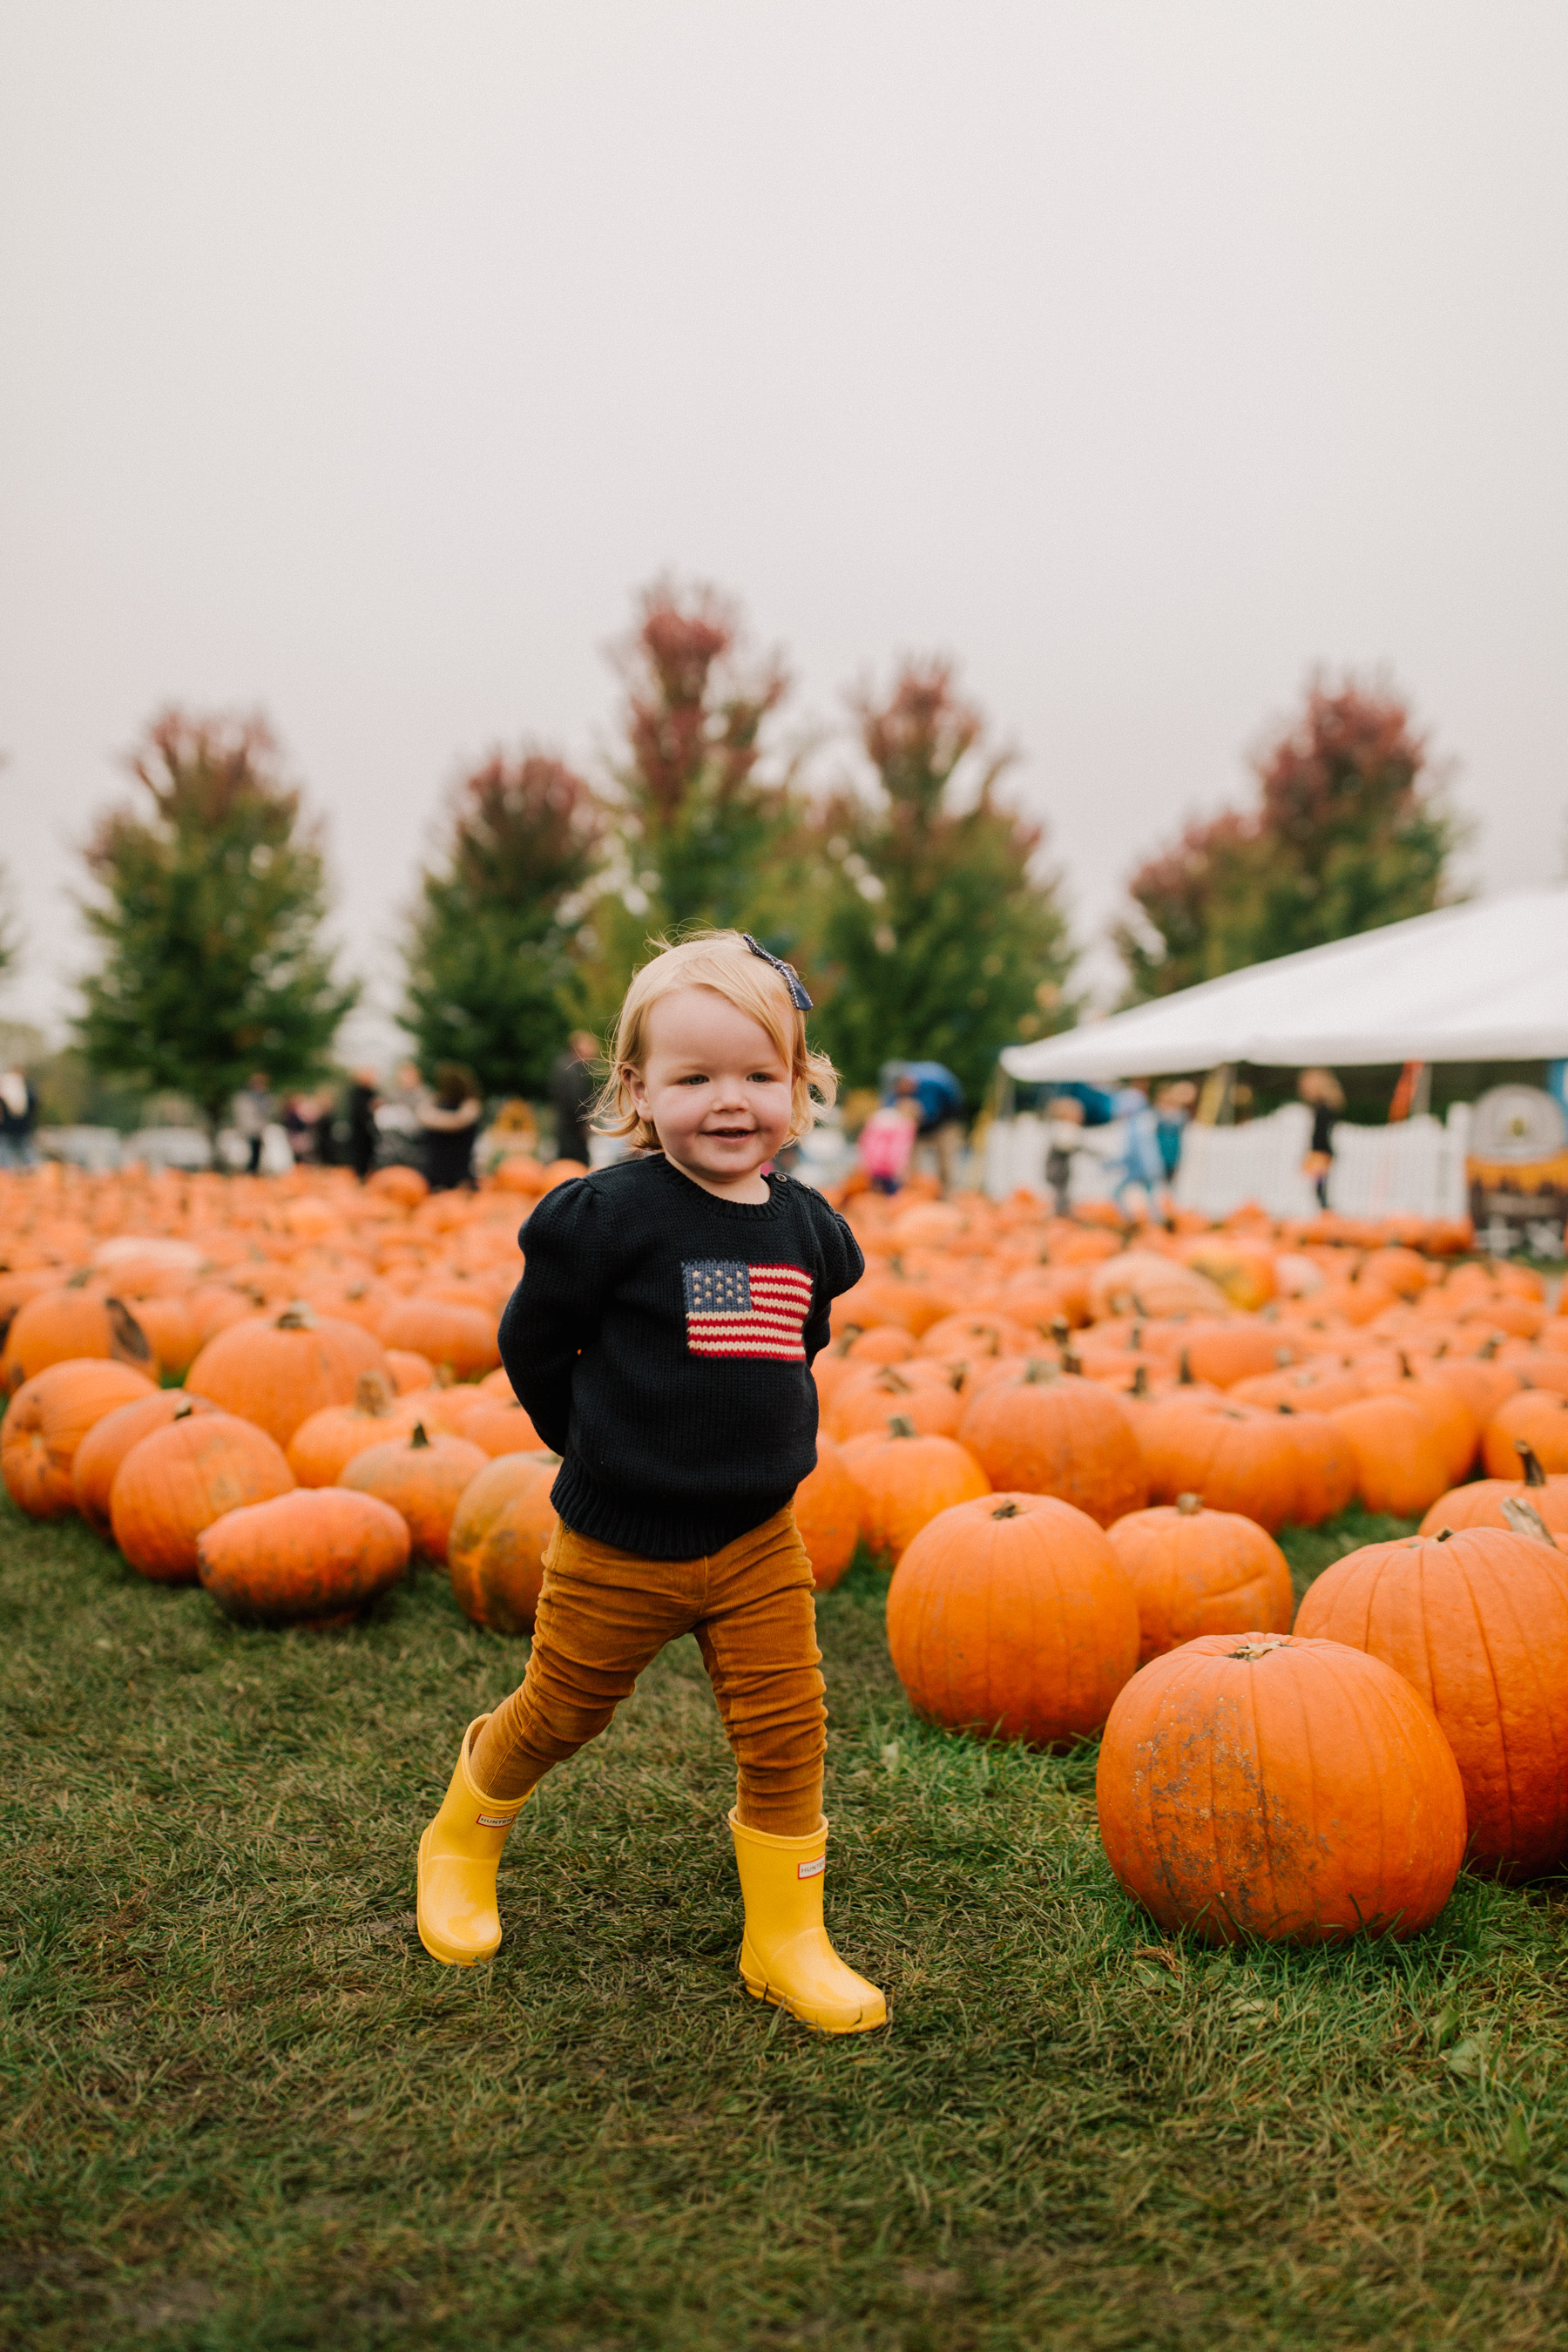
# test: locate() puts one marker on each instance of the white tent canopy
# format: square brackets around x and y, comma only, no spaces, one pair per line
[1475,983]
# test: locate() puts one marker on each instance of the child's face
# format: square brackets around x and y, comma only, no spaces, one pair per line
[714,1085]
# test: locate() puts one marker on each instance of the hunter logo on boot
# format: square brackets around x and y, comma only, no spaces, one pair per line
[813,1869]
[493,1821]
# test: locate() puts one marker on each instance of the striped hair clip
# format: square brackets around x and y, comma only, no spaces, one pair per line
[787,972]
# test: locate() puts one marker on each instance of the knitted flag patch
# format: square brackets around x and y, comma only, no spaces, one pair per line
[736,1309]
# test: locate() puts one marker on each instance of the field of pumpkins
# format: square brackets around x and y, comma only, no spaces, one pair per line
[1073,1447]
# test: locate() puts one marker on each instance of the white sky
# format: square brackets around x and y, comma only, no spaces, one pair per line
[361,358]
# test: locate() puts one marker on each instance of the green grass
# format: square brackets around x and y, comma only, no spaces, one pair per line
[240,2107]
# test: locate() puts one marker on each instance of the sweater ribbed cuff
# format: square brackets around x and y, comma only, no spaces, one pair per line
[688,1530]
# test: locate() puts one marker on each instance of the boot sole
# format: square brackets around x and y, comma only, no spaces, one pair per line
[448,1958]
[765,1992]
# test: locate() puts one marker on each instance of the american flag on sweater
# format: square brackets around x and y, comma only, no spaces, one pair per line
[736,1309]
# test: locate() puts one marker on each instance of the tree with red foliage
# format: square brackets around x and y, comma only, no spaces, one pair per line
[494,975]
[1348,833]
[940,940]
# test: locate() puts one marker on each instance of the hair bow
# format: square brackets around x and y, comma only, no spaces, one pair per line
[787,972]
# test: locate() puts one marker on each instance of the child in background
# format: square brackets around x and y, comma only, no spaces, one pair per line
[887,1143]
[661,1340]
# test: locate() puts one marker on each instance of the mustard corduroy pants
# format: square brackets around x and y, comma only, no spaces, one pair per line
[604,1614]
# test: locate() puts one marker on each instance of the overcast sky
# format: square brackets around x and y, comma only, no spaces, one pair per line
[361,361]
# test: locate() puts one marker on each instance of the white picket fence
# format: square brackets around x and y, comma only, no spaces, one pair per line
[1414,1168]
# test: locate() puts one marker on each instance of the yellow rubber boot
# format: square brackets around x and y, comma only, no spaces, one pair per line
[459,1856]
[785,1956]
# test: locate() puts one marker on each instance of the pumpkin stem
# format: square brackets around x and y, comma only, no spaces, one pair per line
[1534,1475]
[1184,1375]
[444,1377]
[1405,1370]
[1061,1330]
[1526,1520]
[373,1394]
[1445,1535]
[182,1411]
[80,1280]
[419,1437]
[296,1316]
[1259,1646]
[1189,1505]
[1038,1373]
[1489,1347]
[1141,1380]
[893,1381]
[900,1425]
[1006,1511]
[1284,1408]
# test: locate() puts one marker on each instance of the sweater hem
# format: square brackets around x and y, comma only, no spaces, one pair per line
[635,1524]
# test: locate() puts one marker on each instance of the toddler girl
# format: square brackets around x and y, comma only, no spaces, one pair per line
[661,1339]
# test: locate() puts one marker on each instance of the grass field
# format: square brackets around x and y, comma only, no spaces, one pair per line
[241,2108]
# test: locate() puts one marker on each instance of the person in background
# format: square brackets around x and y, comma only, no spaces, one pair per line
[18,1117]
[887,1144]
[364,1096]
[1143,1168]
[255,1109]
[300,1127]
[1064,1139]
[938,1100]
[572,1089]
[1323,1092]
[449,1116]
[1174,1105]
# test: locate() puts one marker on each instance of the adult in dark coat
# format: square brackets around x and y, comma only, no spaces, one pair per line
[573,1088]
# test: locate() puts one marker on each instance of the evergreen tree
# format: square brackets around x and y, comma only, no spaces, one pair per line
[939,940]
[494,978]
[211,892]
[1348,833]
[710,827]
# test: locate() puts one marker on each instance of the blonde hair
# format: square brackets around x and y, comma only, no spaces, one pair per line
[722,961]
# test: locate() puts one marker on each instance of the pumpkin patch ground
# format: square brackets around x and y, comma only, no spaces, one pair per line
[243,2109]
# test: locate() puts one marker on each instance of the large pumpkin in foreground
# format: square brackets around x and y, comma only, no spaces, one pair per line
[422,1476]
[1478,1623]
[45,1422]
[1012,1616]
[1257,1784]
[495,1550]
[109,1441]
[317,1556]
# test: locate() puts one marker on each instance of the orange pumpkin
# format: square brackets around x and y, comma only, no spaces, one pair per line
[58,1326]
[109,1441]
[1049,1432]
[1481,1504]
[47,1421]
[1198,1571]
[277,1369]
[1261,1785]
[499,1533]
[868,1401]
[905,1479]
[1478,1623]
[462,1339]
[497,1428]
[1452,1423]
[170,1330]
[421,1476]
[1013,1617]
[309,1557]
[1537,1418]
[178,1480]
[409,1370]
[1237,1457]
[322,1447]
[828,1515]
[1400,1467]
[1224,1353]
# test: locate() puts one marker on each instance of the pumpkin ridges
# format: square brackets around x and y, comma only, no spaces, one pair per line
[1197,1866]
[109,1441]
[47,1421]
[321,1553]
[1437,1609]
[179,1479]
[498,1534]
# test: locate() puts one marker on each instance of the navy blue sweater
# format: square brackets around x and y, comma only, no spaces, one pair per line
[661,1339]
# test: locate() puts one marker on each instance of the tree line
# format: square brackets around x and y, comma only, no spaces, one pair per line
[912,894]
